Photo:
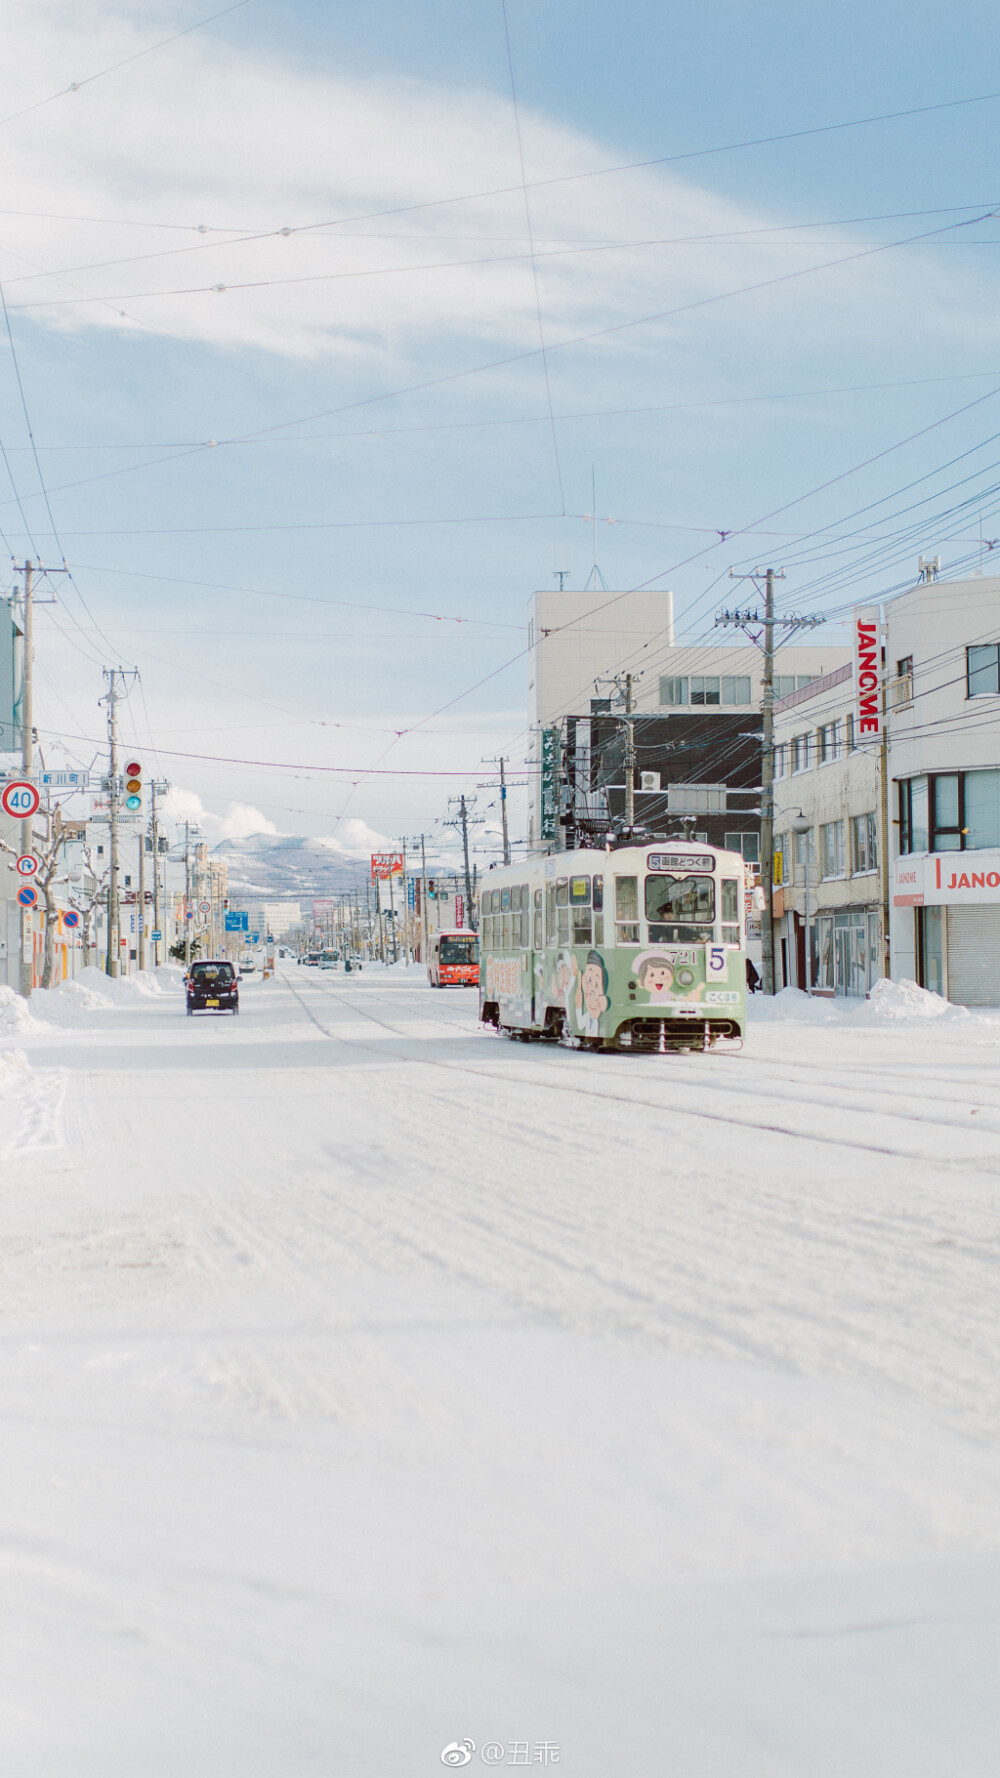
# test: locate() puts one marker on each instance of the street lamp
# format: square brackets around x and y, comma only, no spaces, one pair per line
[801,825]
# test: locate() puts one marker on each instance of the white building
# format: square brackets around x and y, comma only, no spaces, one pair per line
[943,667]
[576,638]
[828,884]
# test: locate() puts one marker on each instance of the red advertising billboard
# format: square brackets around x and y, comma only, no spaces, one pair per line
[386,865]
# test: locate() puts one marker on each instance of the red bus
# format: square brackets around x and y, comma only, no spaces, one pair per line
[453,958]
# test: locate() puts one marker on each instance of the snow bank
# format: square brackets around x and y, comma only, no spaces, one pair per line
[901,1003]
[16,1014]
[905,1000]
[13,1066]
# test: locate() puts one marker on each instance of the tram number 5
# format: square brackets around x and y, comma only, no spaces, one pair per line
[717,960]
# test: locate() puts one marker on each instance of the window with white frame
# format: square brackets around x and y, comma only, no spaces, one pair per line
[673,691]
[831,848]
[736,688]
[864,842]
[705,688]
[780,760]
[800,753]
[747,843]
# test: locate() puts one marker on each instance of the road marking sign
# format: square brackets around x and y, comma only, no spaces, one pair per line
[27,895]
[204,907]
[26,865]
[72,920]
[20,800]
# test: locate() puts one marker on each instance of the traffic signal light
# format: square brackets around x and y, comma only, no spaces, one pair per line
[431,891]
[133,785]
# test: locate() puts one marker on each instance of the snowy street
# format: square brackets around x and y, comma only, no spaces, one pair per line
[371,1383]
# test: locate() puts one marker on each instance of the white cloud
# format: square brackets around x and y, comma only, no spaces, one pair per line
[246,144]
[238,823]
[355,839]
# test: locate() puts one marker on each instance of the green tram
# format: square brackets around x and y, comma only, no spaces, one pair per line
[639,948]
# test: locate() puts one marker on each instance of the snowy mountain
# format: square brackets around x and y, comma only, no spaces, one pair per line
[270,866]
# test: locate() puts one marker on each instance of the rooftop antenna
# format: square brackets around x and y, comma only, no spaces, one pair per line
[595,574]
[562,562]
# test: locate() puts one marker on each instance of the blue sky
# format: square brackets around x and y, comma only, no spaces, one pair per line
[390,447]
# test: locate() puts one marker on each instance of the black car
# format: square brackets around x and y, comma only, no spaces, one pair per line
[212,987]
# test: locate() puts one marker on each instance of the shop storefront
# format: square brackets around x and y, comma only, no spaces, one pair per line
[953,900]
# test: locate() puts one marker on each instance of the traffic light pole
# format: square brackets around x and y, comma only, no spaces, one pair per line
[187,896]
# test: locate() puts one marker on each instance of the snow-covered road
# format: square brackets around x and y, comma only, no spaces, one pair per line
[370,1384]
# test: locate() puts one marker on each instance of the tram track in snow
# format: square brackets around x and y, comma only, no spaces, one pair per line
[986,1163]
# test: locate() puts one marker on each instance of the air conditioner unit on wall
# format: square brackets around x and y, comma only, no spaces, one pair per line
[649,780]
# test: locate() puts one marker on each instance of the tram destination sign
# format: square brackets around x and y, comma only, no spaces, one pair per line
[687,861]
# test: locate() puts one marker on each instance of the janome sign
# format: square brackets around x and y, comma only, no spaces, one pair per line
[868,671]
[946,879]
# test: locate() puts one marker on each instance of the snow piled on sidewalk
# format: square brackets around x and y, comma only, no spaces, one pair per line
[16,1015]
[889,1002]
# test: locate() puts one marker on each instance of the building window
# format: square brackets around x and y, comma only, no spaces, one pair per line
[946,831]
[829,743]
[982,809]
[704,689]
[800,753]
[736,689]
[983,670]
[784,685]
[913,830]
[851,742]
[864,842]
[746,843]
[831,848]
[673,691]
[803,850]
[780,760]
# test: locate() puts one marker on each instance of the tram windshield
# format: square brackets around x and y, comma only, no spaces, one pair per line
[680,910]
[460,950]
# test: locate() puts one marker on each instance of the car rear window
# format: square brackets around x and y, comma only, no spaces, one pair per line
[211,972]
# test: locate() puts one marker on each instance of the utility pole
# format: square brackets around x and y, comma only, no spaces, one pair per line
[464,819]
[187,896]
[140,932]
[755,626]
[155,830]
[27,761]
[113,958]
[501,762]
[423,900]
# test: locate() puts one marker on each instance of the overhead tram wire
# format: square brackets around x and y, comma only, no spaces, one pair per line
[102,73]
[865,252]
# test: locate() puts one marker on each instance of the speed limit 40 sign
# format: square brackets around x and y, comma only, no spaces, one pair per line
[19,800]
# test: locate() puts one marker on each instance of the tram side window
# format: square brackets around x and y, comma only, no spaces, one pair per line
[550,913]
[505,939]
[730,911]
[538,928]
[579,896]
[598,899]
[562,910]
[627,910]
[505,900]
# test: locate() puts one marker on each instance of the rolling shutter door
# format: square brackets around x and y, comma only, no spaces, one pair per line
[974,956]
